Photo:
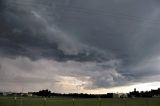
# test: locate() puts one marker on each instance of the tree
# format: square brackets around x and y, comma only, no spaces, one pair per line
[44,93]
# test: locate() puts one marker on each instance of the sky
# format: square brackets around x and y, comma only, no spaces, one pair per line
[79,46]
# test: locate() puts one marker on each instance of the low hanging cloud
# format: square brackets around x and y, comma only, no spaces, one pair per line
[24,72]
[101,43]
[89,75]
[31,75]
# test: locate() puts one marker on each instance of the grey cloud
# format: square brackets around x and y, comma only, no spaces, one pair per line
[116,31]
[29,33]
[117,37]
[16,74]
[43,71]
[16,71]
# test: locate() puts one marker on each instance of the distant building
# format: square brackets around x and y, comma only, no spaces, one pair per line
[123,95]
[120,95]
[30,94]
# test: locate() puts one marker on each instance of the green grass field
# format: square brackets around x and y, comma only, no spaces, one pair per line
[35,101]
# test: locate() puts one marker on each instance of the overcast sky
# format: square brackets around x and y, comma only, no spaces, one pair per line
[91,46]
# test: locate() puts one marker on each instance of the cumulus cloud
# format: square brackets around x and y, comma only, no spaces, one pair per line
[100,44]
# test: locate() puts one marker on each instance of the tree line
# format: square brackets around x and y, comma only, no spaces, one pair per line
[150,93]
[47,93]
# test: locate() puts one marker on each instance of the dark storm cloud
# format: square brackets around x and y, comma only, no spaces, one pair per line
[28,33]
[122,36]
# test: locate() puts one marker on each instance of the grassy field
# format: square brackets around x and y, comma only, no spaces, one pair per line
[28,101]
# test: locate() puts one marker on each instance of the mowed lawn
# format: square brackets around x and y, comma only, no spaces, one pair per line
[36,101]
